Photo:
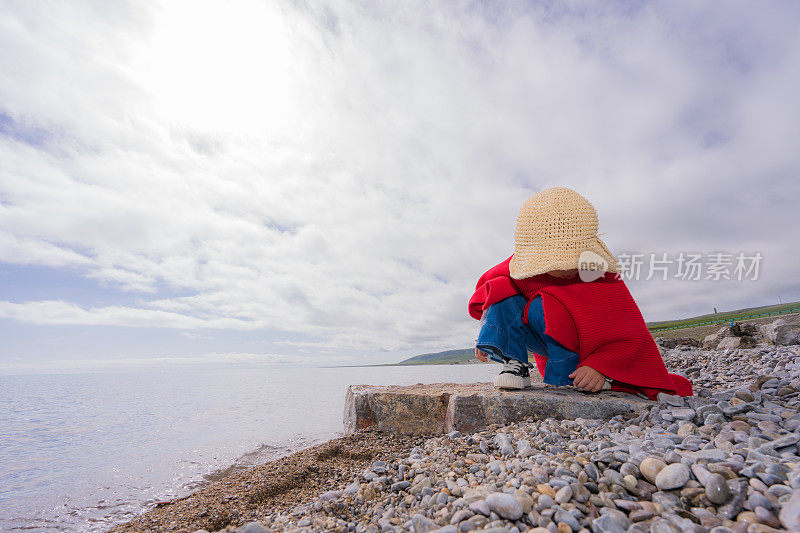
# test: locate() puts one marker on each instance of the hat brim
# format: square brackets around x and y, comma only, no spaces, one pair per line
[534,259]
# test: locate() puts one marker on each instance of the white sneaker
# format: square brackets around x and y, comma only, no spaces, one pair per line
[513,376]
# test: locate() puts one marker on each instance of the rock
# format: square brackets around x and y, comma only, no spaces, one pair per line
[729,343]
[400,485]
[606,524]
[711,341]
[790,512]
[442,408]
[717,490]
[564,494]
[567,518]
[330,495]
[460,515]
[419,485]
[480,506]
[422,524]
[683,414]
[252,527]
[650,468]
[546,501]
[524,448]
[505,505]
[779,332]
[734,505]
[672,476]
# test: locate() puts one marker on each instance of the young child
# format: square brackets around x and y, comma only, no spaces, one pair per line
[578,319]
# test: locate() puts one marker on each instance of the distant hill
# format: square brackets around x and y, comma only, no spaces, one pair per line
[468,354]
[441,358]
[726,316]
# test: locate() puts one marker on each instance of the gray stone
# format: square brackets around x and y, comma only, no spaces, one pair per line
[445,407]
[666,499]
[779,332]
[505,505]
[790,512]
[566,517]
[606,524]
[672,476]
[717,490]
[480,506]
[545,501]
[400,485]
[460,515]
[729,343]
[524,448]
[734,505]
[252,527]
[422,524]
[683,414]
[564,494]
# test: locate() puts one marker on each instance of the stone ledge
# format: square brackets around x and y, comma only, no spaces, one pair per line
[444,407]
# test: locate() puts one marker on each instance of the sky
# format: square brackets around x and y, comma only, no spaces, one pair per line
[322,183]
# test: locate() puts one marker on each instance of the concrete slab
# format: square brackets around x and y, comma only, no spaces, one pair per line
[443,407]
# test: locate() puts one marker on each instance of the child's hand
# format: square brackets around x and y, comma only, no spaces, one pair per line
[588,379]
[480,355]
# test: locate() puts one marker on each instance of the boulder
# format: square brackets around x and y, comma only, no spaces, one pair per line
[781,333]
[444,407]
[711,341]
[668,344]
[751,329]
[736,342]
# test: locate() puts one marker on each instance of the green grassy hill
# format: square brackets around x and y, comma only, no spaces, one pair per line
[441,358]
[725,316]
[468,354]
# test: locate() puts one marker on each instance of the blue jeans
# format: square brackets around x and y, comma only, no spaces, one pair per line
[505,335]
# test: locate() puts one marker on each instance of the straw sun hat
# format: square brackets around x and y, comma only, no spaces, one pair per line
[557,230]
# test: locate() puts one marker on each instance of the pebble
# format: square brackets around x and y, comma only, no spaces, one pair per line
[423,524]
[790,513]
[650,468]
[480,506]
[672,476]
[564,494]
[504,505]
[606,524]
[717,490]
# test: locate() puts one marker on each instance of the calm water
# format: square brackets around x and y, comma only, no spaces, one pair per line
[83,452]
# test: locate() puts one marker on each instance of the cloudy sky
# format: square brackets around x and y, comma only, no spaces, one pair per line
[322,183]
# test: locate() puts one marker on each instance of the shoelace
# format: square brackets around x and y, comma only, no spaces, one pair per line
[513,365]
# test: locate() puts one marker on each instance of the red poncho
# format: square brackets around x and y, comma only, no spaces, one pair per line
[598,320]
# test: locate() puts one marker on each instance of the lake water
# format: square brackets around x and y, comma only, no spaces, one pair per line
[81,452]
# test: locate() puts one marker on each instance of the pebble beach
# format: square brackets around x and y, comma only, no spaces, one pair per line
[723,460]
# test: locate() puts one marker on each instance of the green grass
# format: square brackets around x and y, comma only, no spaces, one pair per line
[725,316]
[440,358]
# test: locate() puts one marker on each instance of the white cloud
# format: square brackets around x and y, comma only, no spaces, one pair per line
[350,172]
[64,313]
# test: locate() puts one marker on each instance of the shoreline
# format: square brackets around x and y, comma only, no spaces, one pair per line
[251,493]
[729,458]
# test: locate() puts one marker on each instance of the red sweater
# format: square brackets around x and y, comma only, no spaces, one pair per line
[598,320]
